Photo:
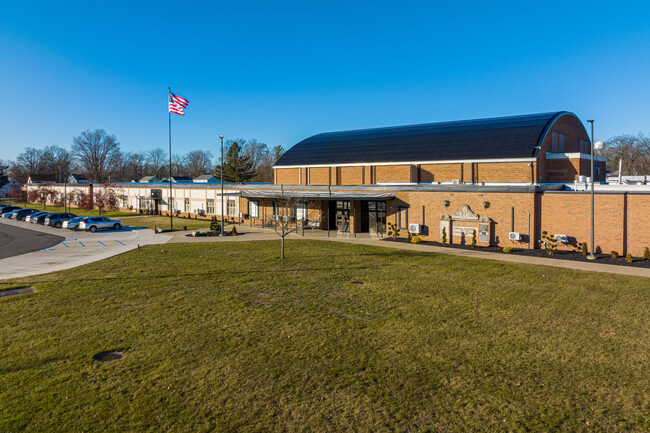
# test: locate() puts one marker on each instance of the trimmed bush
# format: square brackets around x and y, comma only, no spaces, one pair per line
[613,254]
[628,258]
[444,236]
[233,231]
[473,238]
[416,239]
[507,249]
[585,249]
[646,253]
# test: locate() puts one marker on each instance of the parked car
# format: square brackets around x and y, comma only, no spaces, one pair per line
[40,218]
[20,214]
[29,218]
[73,223]
[7,210]
[92,224]
[57,219]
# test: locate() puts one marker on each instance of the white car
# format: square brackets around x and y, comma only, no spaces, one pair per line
[92,224]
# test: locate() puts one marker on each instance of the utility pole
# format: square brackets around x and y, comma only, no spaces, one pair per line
[221,137]
[591,256]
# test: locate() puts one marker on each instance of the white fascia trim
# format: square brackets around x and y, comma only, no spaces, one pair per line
[368,164]
[573,156]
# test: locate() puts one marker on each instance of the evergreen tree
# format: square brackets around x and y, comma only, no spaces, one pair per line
[237,166]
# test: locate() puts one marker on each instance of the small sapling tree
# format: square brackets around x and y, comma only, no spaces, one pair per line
[284,218]
[393,230]
[42,194]
[444,236]
[474,239]
[107,198]
[548,242]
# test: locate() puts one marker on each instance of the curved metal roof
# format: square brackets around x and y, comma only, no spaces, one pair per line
[495,138]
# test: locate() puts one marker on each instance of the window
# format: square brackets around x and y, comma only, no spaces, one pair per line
[210,206]
[558,142]
[232,207]
[301,211]
[125,200]
[141,204]
[584,146]
[253,209]
[171,204]
[403,217]
[275,210]
[187,205]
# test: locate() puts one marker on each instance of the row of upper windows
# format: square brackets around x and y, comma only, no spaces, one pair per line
[558,143]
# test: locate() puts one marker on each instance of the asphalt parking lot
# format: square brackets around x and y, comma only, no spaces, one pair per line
[63,249]
[15,241]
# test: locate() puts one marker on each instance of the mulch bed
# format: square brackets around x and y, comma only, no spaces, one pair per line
[558,255]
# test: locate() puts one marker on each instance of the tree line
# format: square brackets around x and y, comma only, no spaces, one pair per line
[97,155]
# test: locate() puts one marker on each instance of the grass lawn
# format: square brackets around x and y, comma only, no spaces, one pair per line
[162,221]
[74,210]
[227,337]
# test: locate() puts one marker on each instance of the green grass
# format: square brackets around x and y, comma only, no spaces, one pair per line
[161,221]
[227,337]
[75,210]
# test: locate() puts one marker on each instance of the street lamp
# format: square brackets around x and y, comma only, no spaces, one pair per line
[221,137]
[591,256]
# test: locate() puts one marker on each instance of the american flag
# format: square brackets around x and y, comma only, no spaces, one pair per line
[176,104]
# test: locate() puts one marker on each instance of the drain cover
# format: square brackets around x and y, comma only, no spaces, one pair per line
[108,356]
[358,282]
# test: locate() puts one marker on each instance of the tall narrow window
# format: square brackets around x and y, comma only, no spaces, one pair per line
[403,217]
[187,205]
[585,147]
[301,211]
[209,206]
[558,142]
[232,207]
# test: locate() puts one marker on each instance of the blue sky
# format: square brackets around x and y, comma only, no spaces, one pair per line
[282,71]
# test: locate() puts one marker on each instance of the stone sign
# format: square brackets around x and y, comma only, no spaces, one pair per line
[460,230]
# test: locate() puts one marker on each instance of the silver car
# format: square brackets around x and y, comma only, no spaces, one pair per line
[93,224]
[73,224]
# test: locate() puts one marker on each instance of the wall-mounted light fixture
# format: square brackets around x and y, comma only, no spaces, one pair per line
[446,203]
[486,204]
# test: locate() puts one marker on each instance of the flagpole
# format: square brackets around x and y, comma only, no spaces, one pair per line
[169,199]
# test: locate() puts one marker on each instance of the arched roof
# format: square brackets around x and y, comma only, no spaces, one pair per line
[495,138]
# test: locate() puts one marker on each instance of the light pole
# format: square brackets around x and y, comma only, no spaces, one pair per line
[221,137]
[591,256]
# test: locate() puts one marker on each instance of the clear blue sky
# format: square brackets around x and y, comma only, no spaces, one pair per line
[282,71]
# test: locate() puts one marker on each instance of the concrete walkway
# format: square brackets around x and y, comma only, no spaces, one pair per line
[259,234]
[76,248]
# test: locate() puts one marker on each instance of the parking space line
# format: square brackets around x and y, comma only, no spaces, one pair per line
[120,242]
[100,243]
[65,244]
[81,244]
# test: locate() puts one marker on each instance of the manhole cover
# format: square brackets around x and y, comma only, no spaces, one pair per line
[18,291]
[108,356]
[358,282]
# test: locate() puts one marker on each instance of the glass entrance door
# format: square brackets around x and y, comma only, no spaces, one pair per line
[376,217]
[343,215]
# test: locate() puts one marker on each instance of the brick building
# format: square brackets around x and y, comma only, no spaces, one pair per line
[520,174]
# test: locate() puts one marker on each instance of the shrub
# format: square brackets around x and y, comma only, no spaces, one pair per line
[444,236]
[614,254]
[548,242]
[393,231]
[215,225]
[474,239]
[507,249]
[233,231]
[646,253]
[416,239]
[185,228]
[585,249]
[628,258]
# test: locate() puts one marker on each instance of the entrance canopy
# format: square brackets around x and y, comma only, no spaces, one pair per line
[318,195]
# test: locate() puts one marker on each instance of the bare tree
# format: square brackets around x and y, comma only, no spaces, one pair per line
[61,163]
[634,150]
[265,169]
[198,162]
[156,162]
[42,194]
[30,161]
[288,213]
[178,166]
[96,152]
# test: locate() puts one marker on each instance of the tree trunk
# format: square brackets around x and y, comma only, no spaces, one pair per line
[283,247]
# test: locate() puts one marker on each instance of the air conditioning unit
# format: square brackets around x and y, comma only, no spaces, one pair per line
[514,236]
[414,228]
[561,239]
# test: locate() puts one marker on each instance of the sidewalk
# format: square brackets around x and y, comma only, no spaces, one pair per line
[260,234]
